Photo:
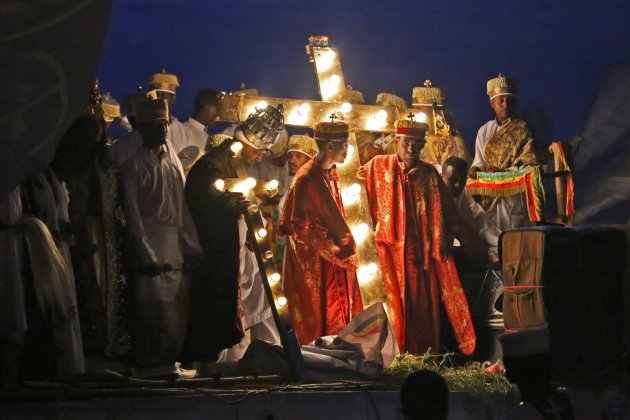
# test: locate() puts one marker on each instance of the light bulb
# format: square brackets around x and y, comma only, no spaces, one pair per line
[219,184]
[262,105]
[348,196]
[250,183]
[262,232]
[280,302]
[236,147]
[381,115]
[363,228]
[362,276]
[422,117]
[371,269]
[355,189]
[346,107]
[304,109]
[335,80]
[268,255]
[253,208]
[275,277]
[358,233]
[272,185]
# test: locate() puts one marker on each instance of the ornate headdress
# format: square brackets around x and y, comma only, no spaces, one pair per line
[331,131]
[409,128]
[263,128]
[427,94]
[164,82]
[215,140]
[151,110]
[303,144]
[111,108]
[279,148]
[389,99]
[501,85]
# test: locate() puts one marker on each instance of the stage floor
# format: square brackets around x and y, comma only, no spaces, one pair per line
[230,398]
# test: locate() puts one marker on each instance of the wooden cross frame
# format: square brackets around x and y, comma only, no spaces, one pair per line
[337,102]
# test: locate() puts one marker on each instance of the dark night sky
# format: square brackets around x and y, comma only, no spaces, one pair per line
[558,50]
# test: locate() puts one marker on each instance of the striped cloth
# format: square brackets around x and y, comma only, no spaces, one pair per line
[500,184]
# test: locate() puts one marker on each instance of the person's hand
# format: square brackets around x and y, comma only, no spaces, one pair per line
[239,203]
[361,173]
[151,270]
[472,172]
[353,263]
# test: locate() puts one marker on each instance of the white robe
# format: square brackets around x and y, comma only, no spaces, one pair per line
[12,311]
[504,212]
[161,232]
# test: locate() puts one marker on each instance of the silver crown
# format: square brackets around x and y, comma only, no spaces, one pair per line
[264,127]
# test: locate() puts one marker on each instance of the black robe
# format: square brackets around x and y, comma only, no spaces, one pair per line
[214,321]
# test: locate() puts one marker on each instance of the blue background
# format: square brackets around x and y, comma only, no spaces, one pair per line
[557,50]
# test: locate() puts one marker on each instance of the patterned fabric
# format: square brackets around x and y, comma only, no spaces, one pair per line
[558,150]
[434,210]
[501,184]
[512,145]
[320,262]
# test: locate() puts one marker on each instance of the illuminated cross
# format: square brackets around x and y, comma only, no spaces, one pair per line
[332,117]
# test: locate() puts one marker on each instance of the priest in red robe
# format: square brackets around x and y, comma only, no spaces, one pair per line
[320,261]
[415,219]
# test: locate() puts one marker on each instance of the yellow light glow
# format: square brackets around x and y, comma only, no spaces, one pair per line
[268,255]
[253,208]
[377,121]
[328,89]
[250,183]
[348,155]
[335,80]
[296,118]
[304,109]
[355,189]
[272,185]
[325,60]
[219,184]
[348,196]
[359,233]
[362,276]
[346,107]
[236,147]
[371,269]
[274,278]
[262,105]
[421,117]
[280,302]
[262,232]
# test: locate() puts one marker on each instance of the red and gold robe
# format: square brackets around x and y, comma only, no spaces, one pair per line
[320,262]
[412,213]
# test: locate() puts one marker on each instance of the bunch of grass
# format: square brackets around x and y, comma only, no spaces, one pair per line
[464,378]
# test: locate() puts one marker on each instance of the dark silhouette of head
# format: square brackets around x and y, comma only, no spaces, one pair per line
[424,396]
